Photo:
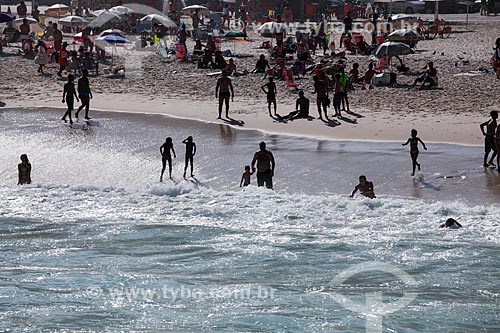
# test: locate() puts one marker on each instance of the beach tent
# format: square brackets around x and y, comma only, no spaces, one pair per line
[57,10]
[201,9]
[106,17]
[6,17]
[73,21]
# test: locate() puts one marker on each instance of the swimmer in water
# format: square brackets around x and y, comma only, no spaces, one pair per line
[245,178]
[166,157]
[365,188]
[413,141]
[451,223]
[24,170]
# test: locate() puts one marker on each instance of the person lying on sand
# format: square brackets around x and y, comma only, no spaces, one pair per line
[451,223]
[365,188]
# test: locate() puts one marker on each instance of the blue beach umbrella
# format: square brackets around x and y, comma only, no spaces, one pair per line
[113,39]
[6,17]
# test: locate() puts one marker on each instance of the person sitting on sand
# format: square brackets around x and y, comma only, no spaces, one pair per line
[68,93]
[190,152]
[413,141]
[370,73]
[365,188]
[489,138]
[223,91]
[271,95]
[451,224]
[354,73]
[198,48]
[219,61]
[301,107]
[262,65]
[24,170]
[231,68]
[167,157]
[245,178]
[429,78]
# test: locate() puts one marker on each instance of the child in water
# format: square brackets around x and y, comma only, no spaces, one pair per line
[190,152]
[245,179]
[413,141]
[24,170]
[365,188]
[166,157]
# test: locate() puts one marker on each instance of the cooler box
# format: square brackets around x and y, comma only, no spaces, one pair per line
[382,79]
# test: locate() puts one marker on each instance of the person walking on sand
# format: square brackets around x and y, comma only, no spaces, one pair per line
[321,91]
[68,93]
[245,178]
[84,93]
[62,58]
[271,94]
[413,141]
[24,171]
[489,138]
[265,166]
[223,90]
[365,188]
[166,157]
[190,152]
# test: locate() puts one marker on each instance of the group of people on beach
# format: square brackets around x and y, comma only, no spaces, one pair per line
[167,150]
[69,95]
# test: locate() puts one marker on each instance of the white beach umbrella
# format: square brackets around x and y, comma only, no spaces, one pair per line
[112,32]
[34,25]
[121,10]
[73,21]
[201,9]
[160,19]
[392,49]
[57,10]
[268,29]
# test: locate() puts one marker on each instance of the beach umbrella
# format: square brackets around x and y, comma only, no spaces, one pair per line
[392,49]
[201,9]
[73,21]
[34,25]
[106,17]
[112,39]
[121,10]
[233,35]
[160,19]
[98,12]
[268,29]
[6,17]
[402,17]
[468,4]
[112,32]
[57,10]
[402,35]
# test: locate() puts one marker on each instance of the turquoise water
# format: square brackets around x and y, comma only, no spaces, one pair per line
[98,244]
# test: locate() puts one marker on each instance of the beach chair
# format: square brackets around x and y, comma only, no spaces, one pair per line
[445,31]
[180,51]
[290,81]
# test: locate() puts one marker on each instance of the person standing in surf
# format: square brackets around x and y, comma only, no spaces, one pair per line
[413,141]
[190,152]
[246,177]
[24,171]
[271,95]
[166,157]
[223,91]
[489,138]
[84,93]
[68,93]
[265,166]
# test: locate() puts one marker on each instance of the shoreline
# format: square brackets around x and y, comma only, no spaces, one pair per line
[373,126]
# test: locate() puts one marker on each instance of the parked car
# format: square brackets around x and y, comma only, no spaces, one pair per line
[406,7]
[450,7]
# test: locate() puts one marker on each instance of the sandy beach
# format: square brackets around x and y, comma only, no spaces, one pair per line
[450,113]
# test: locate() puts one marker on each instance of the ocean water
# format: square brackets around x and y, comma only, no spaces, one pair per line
[97,244]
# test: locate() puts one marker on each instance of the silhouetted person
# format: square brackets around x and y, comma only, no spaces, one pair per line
[489,138]
[429,78]
[166,157]
[364,187]
[223,91]
[190,152]
[265,166]
[413,141]
[84,93]
[451,223]
[24,170]
[271,94]
[68,94]
[301,108]
[321,89]
[245,178]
